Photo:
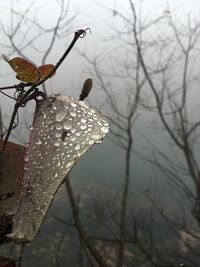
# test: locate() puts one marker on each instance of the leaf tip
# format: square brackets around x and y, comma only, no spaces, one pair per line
[6,58]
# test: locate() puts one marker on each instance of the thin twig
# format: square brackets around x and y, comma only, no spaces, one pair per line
[33,92]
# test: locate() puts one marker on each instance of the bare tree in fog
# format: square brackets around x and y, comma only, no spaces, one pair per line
[163,66]
[173,104]
[173,100]
[174,51]
[123,110]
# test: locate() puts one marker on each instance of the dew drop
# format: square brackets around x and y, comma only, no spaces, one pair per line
[56,143]
[95,136]
[74,105]
[91,142]
[73,113]
[73,138]
[39,142]
[67,125]
[26,158]
[58,134]
[65,142]
[77,133]
[58,127]
[99,123]
[73,130]
[82,104]
[83,126]
[104,129]
[77,147]
[66,106]
[83,120]
[69,164]
[61,115]
[26,168]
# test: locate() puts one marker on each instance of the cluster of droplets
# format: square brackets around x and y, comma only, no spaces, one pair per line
[63,130]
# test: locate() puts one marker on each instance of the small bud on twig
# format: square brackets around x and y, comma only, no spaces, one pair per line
[87,86]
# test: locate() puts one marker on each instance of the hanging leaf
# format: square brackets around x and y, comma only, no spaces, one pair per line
[63,130]
[44,70]
[11,175]
[27,71]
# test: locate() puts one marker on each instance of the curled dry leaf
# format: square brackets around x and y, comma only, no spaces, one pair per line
[45,70]
[63,130]
[27,71]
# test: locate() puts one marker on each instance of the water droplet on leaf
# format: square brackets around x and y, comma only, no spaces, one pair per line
[67,125]
[73,113]
[56,143]
[61,115]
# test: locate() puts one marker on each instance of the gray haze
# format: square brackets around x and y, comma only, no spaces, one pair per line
[102,168]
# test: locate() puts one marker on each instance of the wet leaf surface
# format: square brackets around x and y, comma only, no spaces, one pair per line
[63,130]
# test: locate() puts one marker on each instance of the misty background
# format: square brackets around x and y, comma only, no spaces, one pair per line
[98,178]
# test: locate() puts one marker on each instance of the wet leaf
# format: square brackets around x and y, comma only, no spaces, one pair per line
[44,70]
[63,130]
[7,262]
[11,175]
